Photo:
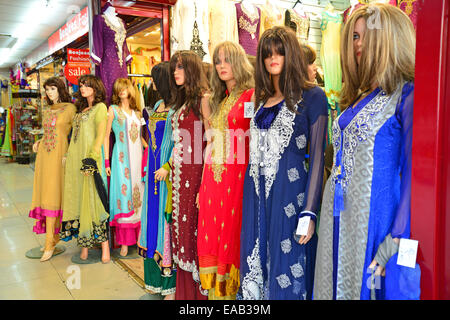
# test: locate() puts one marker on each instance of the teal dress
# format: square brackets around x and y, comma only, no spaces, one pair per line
[127,188]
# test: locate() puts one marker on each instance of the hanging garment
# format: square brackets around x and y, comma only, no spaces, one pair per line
[349,11]
[190,28]
[127,189]
[248,28]
[330,58]
[271,16]
[84,216]
[48,183]
[410,7]
[220,198]
[155,243]
[279,189]
[186,179]
[298,23]
[109,51]
[6,149]
[367,197]
[222,23]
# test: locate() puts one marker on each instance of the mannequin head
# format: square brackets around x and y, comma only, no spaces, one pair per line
[123,90]
[377,48]
[109,10]
[230,64]
[56,91]
[160,75]
[310,56]
[91,88]
[279,56]
[187,80]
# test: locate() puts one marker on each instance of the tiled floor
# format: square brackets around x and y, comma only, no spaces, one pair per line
[24,278]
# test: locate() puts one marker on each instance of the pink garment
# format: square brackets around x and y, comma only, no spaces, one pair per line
[127,236]
[40,214]
[410,7]
[248,29]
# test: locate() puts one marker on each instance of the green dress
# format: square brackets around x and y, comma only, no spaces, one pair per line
[330,58]
[84,216]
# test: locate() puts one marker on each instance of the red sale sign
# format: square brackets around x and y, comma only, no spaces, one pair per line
[72,73]
[78,64]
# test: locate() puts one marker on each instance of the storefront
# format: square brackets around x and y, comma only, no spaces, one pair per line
[430,189]
[156,29]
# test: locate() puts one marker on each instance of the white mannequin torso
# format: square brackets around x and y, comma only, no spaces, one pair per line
[111,15]
[249,7]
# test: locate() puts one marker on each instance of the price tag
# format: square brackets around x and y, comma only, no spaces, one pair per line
[143,122]
[407,252]
[249,108]
[303,225]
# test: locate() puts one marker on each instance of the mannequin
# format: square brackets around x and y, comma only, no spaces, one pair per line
[111,15]
[249,7]
[125,206]
[48,177]
[85,215]
[109,50]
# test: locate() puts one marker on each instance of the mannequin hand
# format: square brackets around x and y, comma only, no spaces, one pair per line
[161,174]
[108,171]
[311,228]
[196,201]
[36,146]
[379,271]
[63,161]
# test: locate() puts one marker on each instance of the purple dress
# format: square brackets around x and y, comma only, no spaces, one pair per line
[248,29]
[109,52]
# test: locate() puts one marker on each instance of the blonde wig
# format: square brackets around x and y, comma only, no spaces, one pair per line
[388,52]
[121,84]
[242,72]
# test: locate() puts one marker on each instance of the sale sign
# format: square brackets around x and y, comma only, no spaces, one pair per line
[77,65]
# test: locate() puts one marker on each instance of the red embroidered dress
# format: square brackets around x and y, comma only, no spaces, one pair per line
[220,197]
[186,178]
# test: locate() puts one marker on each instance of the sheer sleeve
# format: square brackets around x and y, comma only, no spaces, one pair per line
[126,52]
[318,119]
[97,35]
[101,118]
[404,113]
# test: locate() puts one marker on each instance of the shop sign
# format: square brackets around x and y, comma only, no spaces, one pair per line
[72,30]
[78,64]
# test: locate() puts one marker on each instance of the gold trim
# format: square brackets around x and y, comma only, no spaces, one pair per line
[119,37]
[221,140]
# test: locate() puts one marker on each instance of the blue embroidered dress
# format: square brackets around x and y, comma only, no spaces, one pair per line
[278,190]
[154,244]
[368,193]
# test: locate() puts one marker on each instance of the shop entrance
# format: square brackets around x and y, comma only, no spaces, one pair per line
[430,184]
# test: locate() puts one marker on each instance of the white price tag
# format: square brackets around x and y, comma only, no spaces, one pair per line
[407,253]
[143,122]
[249,108]
[303,225]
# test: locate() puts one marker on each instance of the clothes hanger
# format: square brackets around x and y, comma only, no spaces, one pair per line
[296,3]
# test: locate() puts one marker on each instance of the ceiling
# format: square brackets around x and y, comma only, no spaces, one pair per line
[32,22]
